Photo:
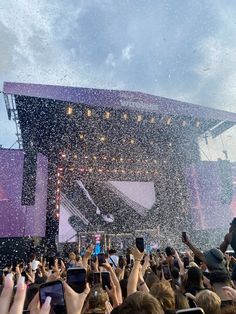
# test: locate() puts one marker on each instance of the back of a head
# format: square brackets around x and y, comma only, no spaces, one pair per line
[139,303]
[231,309]
[150,278]
[97,299]
[209,301]
[219,277]
[164,293]
[194,277]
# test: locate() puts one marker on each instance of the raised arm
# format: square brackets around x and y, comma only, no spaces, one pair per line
[224,245]
[134,275]
[195,250]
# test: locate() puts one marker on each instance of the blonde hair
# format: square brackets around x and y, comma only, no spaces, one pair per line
[164,293]
[140,303]
[209,301]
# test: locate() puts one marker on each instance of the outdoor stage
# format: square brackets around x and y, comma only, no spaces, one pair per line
[121,161]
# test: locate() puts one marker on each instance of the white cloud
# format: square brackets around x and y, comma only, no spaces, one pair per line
[126,53]
[110,60]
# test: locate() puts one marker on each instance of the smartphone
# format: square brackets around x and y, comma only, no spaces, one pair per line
[140,244]
[121,262]
[55,290]
[59,261]
[101,259]
[128,259]
[96,278]
[76,279]
[186,261]
[184,236]
[196,310]
[106,281]
[1,277]
[51,262]
[166,272]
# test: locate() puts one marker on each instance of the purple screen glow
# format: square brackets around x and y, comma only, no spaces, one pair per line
[17,220]
[205,190]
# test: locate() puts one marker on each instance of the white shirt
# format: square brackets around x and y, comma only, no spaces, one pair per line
[113,259]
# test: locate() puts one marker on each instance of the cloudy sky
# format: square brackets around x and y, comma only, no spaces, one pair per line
[181,49]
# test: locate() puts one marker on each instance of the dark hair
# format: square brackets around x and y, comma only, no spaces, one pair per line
[123,286]
[219,276]
[112,251]
[168,251]
[194,279]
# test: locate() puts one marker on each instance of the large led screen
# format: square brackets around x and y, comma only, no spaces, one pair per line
[212,194]
[17,220]
[113,206]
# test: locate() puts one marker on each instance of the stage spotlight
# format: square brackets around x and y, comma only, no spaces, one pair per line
[107,114]
[168,121]
[152,120]
[69,110]
[125,116]
[139,118]
[89,112]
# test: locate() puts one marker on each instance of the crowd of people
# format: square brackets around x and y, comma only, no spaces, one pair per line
[160,282]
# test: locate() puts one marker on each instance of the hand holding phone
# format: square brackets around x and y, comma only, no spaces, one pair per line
[55,290]
[184,237]
[106,280]
[166,272]
[76,279]
[101,259]
[121,262]
[140,244]
[96,278]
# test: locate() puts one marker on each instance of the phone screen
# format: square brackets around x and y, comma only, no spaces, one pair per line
[51,262]
[128,259]
[184,236]
[140,244]
[101,259]
[76,279]
[166,272]
[106,281]
[55,291]
[96,278]
[196,310]
[121,262]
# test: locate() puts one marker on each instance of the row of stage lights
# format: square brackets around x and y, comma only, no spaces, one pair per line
[139,118]
[108,158]
[116,171]
[102,138]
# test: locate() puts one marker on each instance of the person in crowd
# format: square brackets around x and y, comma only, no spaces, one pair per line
[72,260]
[164,293]
[219,280]
[213,258]
[230,238]
[209,301]
[113,258]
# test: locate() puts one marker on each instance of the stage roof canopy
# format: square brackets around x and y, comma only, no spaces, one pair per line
[110,131]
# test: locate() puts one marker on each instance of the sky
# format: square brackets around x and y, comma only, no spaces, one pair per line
[180,49]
